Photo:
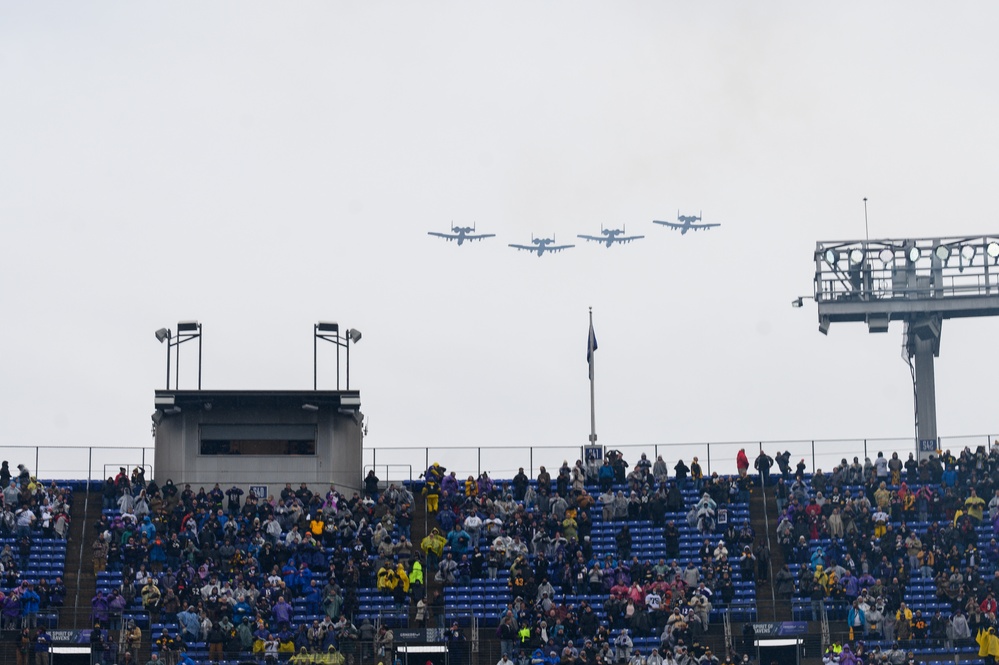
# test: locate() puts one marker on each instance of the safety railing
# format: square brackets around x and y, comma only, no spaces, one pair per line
[113,469]
[76,462]
[398,473]
[505,461]
[398,462]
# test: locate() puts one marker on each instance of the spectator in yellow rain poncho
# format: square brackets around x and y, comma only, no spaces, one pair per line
[433,547]
[973,505]
[988,643]
[402,577]
[387,579]
[331,657]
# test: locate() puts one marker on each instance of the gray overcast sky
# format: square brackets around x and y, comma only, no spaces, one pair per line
[262,166]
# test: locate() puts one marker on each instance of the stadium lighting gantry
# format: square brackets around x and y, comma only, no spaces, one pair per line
[921,291]
[186,331]
[330,331]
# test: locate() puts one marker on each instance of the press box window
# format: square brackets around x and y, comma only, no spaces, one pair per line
[257,440]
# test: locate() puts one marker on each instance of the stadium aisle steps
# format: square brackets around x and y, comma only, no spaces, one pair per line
[80,531]
[758,504]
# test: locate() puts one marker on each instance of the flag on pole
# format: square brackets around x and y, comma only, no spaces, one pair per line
[591,346]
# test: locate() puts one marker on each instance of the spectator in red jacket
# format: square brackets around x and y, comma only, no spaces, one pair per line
[742,462]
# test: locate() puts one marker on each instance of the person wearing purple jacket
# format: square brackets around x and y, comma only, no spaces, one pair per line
[851,587]
[11,611]
[260,636]
[281,612]
[116,605]
[847,657]
[99,609]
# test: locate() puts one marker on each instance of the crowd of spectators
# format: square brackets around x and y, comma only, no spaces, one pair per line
[888,522]
[279,576]
[275,576]
[567,605]
[30,511]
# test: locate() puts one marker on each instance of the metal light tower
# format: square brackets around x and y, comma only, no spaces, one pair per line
[186,331]
[330,331]
[920,282]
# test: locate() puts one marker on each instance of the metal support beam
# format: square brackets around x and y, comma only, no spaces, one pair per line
[922,343]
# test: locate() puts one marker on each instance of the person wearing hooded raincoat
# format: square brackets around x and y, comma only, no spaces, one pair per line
[988,643]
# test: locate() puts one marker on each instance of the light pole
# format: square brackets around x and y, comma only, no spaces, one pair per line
[330,331]
[186,331]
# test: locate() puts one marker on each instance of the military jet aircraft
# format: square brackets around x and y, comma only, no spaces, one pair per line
[610,236]
[542,245]
[461,234]
[686,223]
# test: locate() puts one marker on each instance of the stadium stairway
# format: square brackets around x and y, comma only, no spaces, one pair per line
[422,525]
[81,583]
[763,505]
[769,606]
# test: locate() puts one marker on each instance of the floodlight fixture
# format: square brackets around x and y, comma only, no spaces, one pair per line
[886,255]
[799,302]
[856,256]
[914,254]
[354,414]
[330,331]
[186,331]
[942,252]
[992,249]
[831,256]
[968,253]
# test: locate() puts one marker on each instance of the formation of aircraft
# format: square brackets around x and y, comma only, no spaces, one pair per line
[542,245]
[611,236]
[461,234]
[608,237]
[686,223]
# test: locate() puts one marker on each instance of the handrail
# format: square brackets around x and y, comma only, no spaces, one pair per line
[727,623]
[770,550]
[83,540]
[824,616]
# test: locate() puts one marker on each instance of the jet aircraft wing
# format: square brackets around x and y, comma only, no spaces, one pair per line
[446,236]
[672,225]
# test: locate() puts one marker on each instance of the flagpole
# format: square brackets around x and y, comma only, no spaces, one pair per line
[593,413]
